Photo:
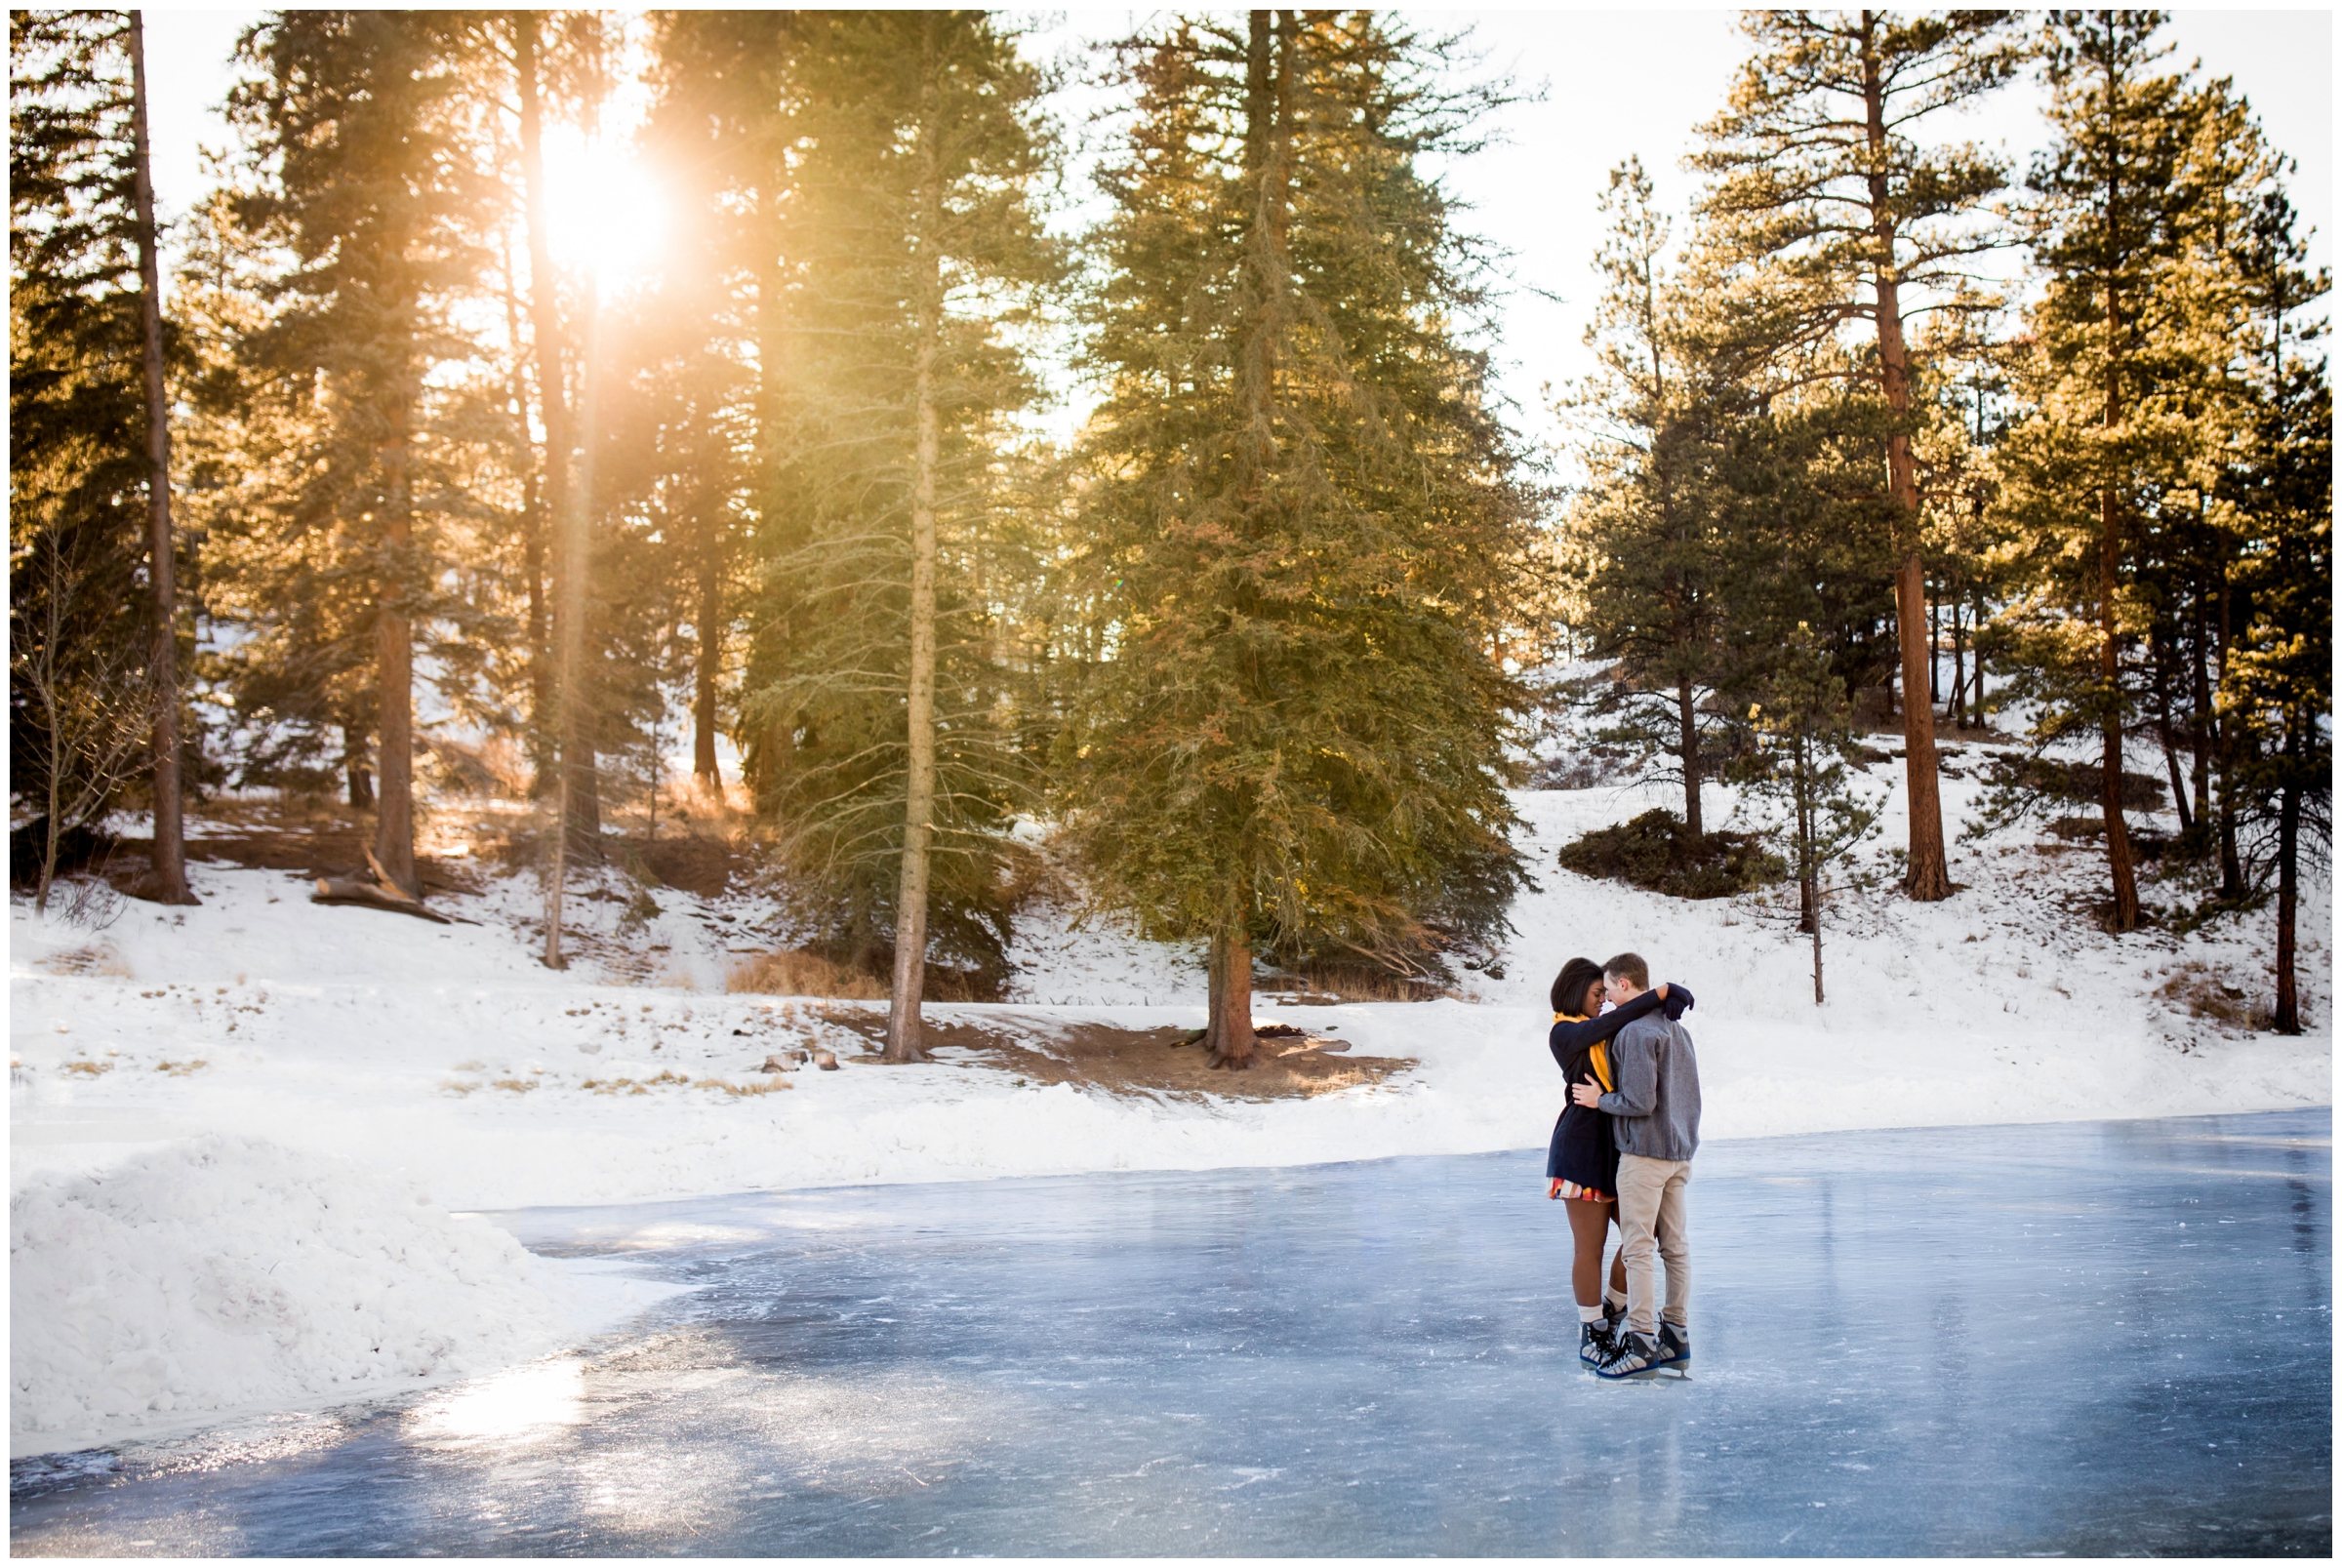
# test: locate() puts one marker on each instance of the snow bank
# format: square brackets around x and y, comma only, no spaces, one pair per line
[228,1272]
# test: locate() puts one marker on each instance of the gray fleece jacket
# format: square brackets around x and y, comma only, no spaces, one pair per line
[1655,1109]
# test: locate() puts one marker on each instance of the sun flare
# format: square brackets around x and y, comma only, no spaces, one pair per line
[606,211]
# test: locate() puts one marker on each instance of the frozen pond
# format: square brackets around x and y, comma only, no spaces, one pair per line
[2089,1338]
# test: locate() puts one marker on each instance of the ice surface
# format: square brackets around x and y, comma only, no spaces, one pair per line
[2086,1338]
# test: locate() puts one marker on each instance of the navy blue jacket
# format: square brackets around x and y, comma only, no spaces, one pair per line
[1582,1150]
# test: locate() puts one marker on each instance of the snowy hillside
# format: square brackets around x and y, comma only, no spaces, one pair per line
[449,1053]
[447,1062]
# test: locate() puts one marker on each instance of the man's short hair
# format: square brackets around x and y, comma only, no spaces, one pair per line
[1629,967]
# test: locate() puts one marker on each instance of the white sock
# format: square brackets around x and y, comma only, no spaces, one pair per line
[1589,1314]
[1617,1304]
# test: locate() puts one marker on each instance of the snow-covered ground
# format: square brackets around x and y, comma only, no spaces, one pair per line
[449,1064]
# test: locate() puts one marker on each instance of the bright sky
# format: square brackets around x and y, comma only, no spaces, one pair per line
[1615,82]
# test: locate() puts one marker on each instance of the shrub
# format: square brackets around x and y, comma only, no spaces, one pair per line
[814,972]
[2203,994]
[1655,851]
[2074,780]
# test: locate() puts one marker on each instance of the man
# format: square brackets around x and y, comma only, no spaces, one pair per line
[1655,1117]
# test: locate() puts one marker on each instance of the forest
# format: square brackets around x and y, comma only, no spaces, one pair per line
[540,397]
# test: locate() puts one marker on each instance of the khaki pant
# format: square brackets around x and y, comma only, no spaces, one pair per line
[1651,1202]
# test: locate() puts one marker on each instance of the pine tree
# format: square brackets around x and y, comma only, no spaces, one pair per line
[2242,280]
[571,451]
[170,874]
[1645,537]
[1964,412]
[914,256]
[356,127]
[91,671]
[1824,195]
[679,448]
[565,732]
[717,132]
[1806,741]
[1305,532]
[2278,687]
[298,667]
[2114,384]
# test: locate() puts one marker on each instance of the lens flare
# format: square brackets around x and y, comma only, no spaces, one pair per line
[607,214]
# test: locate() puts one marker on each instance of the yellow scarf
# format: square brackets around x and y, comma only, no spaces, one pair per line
[1598,1058]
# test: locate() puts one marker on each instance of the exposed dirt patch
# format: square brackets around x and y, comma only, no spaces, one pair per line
[2203,994]
[320,849]
[1134,1062]
[688,861]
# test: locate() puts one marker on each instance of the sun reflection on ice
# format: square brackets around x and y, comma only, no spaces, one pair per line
[517,1404]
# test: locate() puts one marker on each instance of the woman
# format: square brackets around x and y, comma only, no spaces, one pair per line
[1582,1163]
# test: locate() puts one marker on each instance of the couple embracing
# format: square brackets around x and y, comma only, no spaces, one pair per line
[1622,1154]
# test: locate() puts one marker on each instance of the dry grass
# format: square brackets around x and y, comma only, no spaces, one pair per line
[2205,995]
[614,1086]
[91,1068]
[763,1086]
[792,972]
[180,1069]
[97,958]
[518,1086]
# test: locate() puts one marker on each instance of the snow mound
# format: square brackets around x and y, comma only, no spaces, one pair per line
[227,1273]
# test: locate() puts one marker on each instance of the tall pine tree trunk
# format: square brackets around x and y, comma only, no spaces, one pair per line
[1688,719]
[2163,644]
[1809,877]
[538,627]
[1817,963]
[1926,877]
[535,625]
[708,662]
[1227,1038]
[2287,1020]
[2200,718]
[2110,724]
[355,771]
[565,500]
[1809,870]
[579,832]
[2232,865]
[2110,560]
[905,1035]
[762,764]
[1268,153]
[162,665]
[394,661]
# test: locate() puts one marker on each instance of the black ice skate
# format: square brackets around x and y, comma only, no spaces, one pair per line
[1637,1357]
[1596,1342]
[1675,1347]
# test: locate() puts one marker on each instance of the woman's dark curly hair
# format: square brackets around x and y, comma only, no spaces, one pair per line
[1569,986]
